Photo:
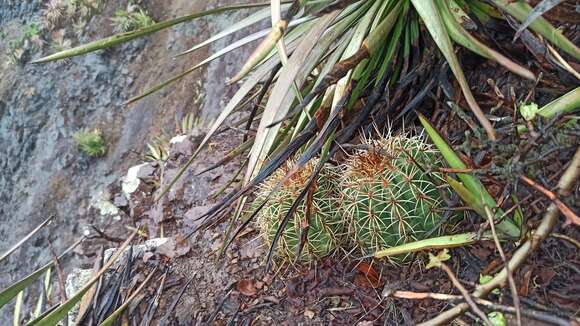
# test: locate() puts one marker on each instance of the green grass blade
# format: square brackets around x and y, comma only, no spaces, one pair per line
[472,184]
[434,23]
[246,22]
[61,311]
[521,11]
[10,292]
[565,103]
[126,37]
[448,241]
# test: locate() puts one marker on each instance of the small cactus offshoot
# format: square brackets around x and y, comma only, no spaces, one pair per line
[317,213]
[388,197]
[91,142]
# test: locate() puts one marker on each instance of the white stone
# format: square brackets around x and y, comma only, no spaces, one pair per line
[75,281]
[178,139]
[139,249]
[105,207]
[130,182]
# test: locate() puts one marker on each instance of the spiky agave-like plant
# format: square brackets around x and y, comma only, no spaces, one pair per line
[318,215]
[388,195]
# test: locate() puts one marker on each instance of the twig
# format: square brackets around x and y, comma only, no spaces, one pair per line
[28,236]
[465,294]
[571,217]
[567,180]
[150,312]
[567,238]
[512,282]
[103,235]
[530,313]
[60,274]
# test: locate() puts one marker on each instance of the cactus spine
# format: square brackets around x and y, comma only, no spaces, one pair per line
[387,196]
[318,212]
[380,198]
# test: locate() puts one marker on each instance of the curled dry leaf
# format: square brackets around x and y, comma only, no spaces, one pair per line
[367,276]
[247,287]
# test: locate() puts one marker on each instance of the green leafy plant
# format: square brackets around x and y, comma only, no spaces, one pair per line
[189,124]
[471,191]
[158,150]
[58,13]
[317,218]
[125,21]
[389,196]
[29,39]
[91,142]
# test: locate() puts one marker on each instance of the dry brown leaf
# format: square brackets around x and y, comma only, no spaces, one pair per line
[247,287]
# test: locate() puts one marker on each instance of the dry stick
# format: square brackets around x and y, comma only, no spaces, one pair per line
[28,236]
[60,274]
[530,313]
[571,217]
[550,219]
[465,294]
[512,282]
[567,238]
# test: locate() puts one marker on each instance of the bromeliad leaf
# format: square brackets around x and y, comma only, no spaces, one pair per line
[565,103]
[246,22]
[281,97]
[453,17]
[126,37]
[443,242]
[521,10]
[62,310]
[472,184]
[9,293]
[434,23]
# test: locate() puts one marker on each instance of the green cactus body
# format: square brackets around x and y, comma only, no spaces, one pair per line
[387,196]
[324,224]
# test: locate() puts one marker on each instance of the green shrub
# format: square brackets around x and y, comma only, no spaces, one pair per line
[125,21]
[91,142]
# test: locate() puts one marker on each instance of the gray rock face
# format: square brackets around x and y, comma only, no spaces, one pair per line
[11,9]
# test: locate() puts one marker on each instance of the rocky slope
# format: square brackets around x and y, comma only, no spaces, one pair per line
[42,172]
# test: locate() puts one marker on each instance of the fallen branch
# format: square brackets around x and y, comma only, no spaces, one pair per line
[571,217]
[530,313]
[465,294]
[512,282]
[550,219]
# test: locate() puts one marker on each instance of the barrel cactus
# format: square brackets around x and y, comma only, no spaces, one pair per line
[388,196]
[324,224]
